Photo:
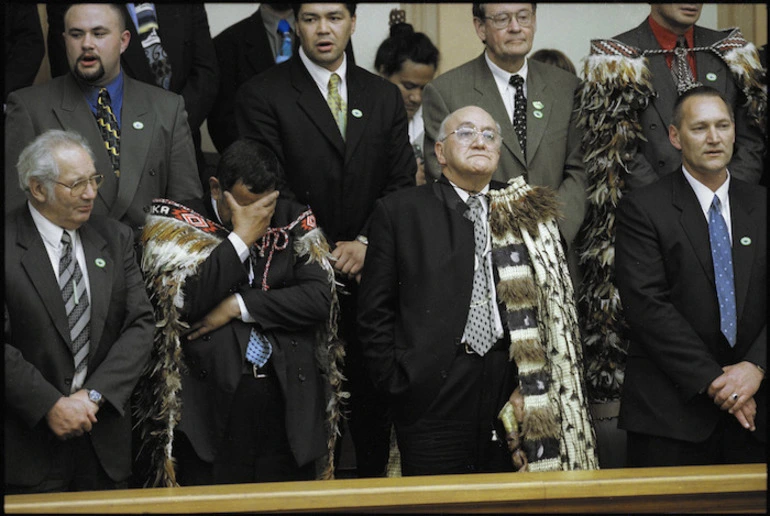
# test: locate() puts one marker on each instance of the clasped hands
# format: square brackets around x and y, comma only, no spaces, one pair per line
[742,379]
[72,416]
[348,258]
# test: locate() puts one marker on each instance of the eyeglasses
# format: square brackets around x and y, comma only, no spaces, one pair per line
[468,135]
[78,187]
[503,20]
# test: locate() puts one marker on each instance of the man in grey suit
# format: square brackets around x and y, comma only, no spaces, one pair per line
[78,327]
[152,151]
[550,154]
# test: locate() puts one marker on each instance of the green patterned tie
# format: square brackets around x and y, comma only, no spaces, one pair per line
[338,106]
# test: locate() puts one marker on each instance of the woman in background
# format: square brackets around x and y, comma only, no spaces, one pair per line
[409,60]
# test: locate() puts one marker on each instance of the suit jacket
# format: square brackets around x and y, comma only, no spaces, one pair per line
[289,314]
[184,33]
[657,157]
[415,293]
[340,179]
[38,360]
[554,155]
[243,51]
[666,280]
[24,45]
[157,158]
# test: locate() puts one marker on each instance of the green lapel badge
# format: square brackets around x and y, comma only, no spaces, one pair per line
[138,126]
[100,263]
[711,76]
[745,241]
[357,113]
[537,105]
[537,114]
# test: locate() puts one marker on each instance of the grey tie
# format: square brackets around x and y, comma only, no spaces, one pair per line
[680,67]
[73,291]
[478,328]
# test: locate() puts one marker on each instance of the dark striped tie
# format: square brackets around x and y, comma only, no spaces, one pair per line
[73,291]
[108,126]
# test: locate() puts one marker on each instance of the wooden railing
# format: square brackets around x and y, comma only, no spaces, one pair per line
[717,489]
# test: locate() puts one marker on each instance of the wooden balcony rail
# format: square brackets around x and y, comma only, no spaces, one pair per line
[715,489]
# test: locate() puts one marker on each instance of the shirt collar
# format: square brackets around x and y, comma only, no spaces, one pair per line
[320,74]
[270,19]
[49,232]
[465,195]
[114,88]
[705,195]
[666,38]
[502,76]
[216,210]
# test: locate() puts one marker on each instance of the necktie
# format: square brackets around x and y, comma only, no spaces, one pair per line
[336,104]
[284,29]
[73,291]
[108,126]
[520,112]
[680,67]
[259,349]
[478,328]
[147,21]
[722,256]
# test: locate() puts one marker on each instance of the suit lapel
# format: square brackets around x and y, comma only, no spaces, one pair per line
[256,45]
[693,222]
[357,101]
[743,253]
[489,99]
[662,80]
[35,261]
[711,70]
[313,104]
[537,91]
[136,130]
[75,114]
[461,238]
[99,279]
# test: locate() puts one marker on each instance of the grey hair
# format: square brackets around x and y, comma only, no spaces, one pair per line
[38,159]
[442,128]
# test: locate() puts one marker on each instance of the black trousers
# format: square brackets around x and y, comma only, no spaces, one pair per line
[368,414]
[459,432]
[74,467]
[730,443]
[255,447]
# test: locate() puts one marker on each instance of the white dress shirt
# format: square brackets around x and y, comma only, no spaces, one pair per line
[502,79]
[321,75]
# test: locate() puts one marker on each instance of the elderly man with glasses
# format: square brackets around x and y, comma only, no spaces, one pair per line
[533,103]
[78,327]
[464,290]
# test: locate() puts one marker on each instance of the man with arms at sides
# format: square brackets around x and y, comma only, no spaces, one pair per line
[449,294]
[533,103]
[692,273]
[78,327]
[139,133]
[170,47]
[340,133]
[258,287]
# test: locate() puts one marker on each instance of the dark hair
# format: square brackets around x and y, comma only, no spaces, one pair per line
[554,57]
[350,7]
[698,91]
[404,43]
[251,162]
[479,11]
[118,8]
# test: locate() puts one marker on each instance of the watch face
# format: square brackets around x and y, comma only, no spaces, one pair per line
[94,396]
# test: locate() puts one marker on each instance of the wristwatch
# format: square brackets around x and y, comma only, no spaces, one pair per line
[362,239]
[96,397]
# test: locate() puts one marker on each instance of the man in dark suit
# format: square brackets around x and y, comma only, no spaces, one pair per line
[154,155]
[24,46]
[550,154]
[339,164]
[412,314]
[692,272]
[244,50]
[183,30]
[655,157]
[73,350]
[247,418]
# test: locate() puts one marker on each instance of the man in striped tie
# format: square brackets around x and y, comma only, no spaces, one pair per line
[78,327]
[692,273]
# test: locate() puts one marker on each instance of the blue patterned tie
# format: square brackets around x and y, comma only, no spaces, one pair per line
[722,256]
[259,348]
